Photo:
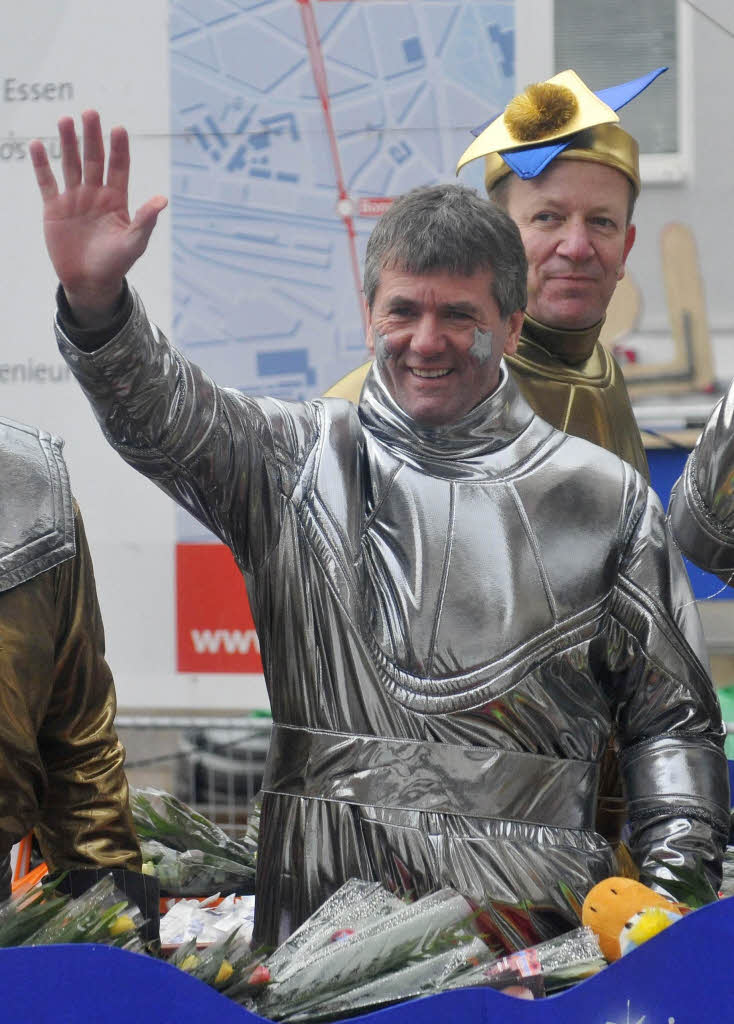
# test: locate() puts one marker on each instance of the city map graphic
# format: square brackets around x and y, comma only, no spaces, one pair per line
[293,123]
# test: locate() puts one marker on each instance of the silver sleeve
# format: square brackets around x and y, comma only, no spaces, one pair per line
[229,460]
[701,509]
[669,720]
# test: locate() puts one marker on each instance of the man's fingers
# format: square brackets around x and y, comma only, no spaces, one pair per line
[93,148]
[145,219]
[44,175]
[70,161]
[118,171]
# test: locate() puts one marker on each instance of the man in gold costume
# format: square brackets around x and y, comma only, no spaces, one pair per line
[61,763]
[568,175]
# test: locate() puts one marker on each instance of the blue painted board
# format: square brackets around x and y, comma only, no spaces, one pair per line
[683,976]
[666,465]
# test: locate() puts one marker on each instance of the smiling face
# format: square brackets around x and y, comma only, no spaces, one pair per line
[573,222]
[438,339]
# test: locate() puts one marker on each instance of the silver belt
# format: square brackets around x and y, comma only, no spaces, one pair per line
[419,775]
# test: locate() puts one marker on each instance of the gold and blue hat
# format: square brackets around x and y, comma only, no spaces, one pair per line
[560,118]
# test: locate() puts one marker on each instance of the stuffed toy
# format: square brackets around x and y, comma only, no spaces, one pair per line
[624,914]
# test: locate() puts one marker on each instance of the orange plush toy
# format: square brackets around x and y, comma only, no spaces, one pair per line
[624,913]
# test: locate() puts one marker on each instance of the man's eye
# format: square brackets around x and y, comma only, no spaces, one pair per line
[603,222]
[546,216]
[457,314]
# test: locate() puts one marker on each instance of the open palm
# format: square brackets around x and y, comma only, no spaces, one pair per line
[91,239]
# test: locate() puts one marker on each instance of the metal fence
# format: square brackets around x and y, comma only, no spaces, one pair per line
[215,764]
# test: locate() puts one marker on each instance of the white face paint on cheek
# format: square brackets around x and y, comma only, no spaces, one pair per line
[482,347]
[382,347]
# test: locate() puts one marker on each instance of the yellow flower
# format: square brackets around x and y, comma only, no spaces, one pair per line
[224,973]
[123,923]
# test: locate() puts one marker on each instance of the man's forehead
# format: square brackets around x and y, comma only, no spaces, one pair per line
[570,179]
[440,283]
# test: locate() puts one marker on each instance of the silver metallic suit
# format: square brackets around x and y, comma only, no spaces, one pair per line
[702,503]
[451,621]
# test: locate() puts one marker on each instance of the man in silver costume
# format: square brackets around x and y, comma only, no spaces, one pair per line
[701,506]
[569,179]
[456,602]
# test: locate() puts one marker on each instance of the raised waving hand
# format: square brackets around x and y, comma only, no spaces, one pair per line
[90,237]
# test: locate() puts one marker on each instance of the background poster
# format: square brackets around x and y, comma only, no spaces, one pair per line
[293,123]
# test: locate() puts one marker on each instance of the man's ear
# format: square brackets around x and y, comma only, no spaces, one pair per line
[514,327]
[369,339]
[629,241]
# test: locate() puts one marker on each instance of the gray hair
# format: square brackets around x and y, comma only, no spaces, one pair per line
[449,228]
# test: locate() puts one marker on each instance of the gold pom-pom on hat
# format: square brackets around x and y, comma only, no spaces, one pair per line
[542,109]
[546,112]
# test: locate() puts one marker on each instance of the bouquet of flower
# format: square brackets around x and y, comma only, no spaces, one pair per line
[356,904]
[547,967]
[190,854]
[421,977]
[365,948]
[41,916]
[27,911]
[194,871]
[341,958]
[229,965]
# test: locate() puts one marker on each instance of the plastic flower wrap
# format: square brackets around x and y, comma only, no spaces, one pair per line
[727,881]
[40,916]
[356,904]
[27,911]
[365,948]
[544,968]
[230,966]
[420,978]
[190,854]
[532,972]
[193,871]
[252,831]
[341,952]
[102,914]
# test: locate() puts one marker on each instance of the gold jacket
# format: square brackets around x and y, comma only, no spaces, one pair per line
[570,379]
[61,763]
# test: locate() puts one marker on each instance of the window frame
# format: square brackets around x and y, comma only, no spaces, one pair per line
[534,62]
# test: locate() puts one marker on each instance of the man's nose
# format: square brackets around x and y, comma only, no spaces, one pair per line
[428,338]
[575,243]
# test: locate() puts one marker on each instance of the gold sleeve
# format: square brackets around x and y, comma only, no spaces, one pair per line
[85,817]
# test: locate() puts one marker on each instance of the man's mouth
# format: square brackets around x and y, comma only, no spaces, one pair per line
[428,373]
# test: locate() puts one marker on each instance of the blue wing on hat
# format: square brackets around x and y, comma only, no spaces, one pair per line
[618,96]
[529,161]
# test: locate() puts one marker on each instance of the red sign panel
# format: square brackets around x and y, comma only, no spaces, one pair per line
[214,623]
[373,206]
